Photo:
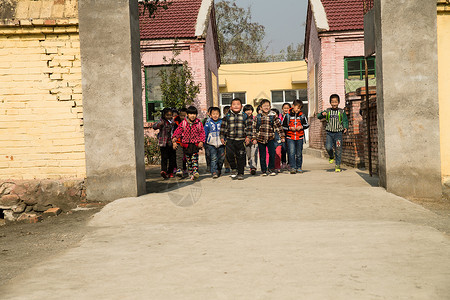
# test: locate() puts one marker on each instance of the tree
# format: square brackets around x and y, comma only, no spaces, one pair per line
[151,6]
[294,52]
[240,39]
[177,84]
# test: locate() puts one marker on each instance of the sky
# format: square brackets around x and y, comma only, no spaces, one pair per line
[283,20]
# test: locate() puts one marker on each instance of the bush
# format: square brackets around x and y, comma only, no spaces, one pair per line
[152,153]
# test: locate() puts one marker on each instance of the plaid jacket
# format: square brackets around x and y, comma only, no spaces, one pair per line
[235,126]
[165,132]
[266,130]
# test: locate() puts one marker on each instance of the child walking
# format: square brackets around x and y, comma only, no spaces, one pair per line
[226,164]
[263,135]
[213,143]
[234,134]
[251,150]
[294,123]
[192,137]
[337,123]
[284,151]
[181,159]
[165,126]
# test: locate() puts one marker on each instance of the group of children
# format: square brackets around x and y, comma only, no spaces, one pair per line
[236,139]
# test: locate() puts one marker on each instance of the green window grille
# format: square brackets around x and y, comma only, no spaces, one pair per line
[354,67]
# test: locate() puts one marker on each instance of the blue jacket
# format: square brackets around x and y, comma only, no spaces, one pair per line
[212,132]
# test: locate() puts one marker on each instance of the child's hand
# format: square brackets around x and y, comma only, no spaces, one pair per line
[175,146]
[223,141]
[324,113]
[174,140]
[200,145]
[345,130]
[283,140]
[292,128]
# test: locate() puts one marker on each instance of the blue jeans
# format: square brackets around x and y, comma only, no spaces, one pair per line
[295,151]
[217,157]
[334,140]
[262,155]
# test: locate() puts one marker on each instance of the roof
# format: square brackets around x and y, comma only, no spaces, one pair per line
[183,19]
[344,14]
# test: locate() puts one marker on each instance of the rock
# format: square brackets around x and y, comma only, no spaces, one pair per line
[52,211]
[9,200]
[41,208]
[19,208]
[29,218]
[6,188]
[29,208]
[29,200]
[9,215]
[2,222]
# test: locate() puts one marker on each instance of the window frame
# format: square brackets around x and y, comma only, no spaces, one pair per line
[233,95]
[362,68]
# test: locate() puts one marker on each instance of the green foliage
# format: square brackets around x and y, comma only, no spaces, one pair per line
[151,6]
[177,84]
[152,152]
[292,52]
[240,39]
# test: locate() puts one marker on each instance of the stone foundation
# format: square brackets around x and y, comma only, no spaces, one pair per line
[29,200]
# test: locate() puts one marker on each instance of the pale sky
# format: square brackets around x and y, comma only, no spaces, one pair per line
[283,20]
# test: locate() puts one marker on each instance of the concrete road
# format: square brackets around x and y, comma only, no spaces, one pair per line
[317,235]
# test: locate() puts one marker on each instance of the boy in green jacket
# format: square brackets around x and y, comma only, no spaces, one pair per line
[337,123]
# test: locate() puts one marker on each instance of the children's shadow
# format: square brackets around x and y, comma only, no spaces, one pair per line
[333,170]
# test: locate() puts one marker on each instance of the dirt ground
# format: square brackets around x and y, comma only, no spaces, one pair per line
[24,245]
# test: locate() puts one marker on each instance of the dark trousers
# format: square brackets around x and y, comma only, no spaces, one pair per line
[284,152]
[168,159]
[334,140]
[236,155]
[270,146]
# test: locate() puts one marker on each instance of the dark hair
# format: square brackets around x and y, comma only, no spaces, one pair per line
[236,99]
[226,108]
[275,111]
[264,101]
[184,109]
[248,107]
[258,108]
[288,104]
[335,96]
[175,111]
[210,109]
[297,102]
[214,108]
[164,112]
[192,110]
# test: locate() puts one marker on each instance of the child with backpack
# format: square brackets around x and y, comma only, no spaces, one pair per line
[284,151]
[213,143]
[278,143]
[235,134]
[337,124]
[294,123]
[165,127]
[251,150]
[263,134]
[226,164]
[192,137]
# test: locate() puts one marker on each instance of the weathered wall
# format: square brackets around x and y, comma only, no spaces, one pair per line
[407,91]
[443,33]
[211,64]
[114,136]
[41,128]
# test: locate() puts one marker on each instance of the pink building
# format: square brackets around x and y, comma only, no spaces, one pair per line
[189,27]
[334,50]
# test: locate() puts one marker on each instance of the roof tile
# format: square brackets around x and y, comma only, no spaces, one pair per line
[344,14]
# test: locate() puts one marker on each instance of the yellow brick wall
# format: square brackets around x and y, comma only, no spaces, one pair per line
[41,109]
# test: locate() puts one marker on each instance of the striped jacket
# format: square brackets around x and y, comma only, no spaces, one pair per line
[298,121]
[336,119]
[265,131]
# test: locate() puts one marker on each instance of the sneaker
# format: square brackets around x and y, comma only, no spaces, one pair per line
[331,160]
[219,173]
[234,174]
[253,171]
[227,170]
[293,171]
[299,171]
[265,173]
[273,173]
[196,175]
[163,174]
[240,177]
[215,176]
[337,169]
[171,175]
[179,173]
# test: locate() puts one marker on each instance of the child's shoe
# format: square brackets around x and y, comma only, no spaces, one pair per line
[195,176]
[227,170]
[331,160]
[293,171]
[234,173]
[253,171]
[215,176]
[179,173]
[163,174]
[240,177]
[299,171]
[170,175]
[337,169]
[265,173]
[273,173]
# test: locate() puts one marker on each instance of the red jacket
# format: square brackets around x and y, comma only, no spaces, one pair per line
[190,133]
[299,120]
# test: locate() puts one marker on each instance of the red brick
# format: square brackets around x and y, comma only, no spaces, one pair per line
[52,211]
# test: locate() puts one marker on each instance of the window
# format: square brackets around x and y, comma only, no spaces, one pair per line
[153,93]
[281,97]
[354,67]
[225,99]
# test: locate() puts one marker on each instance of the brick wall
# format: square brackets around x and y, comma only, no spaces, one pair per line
[373,132]
[41,128]
[353,150]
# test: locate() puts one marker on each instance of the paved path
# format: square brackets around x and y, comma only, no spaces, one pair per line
[317,235]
